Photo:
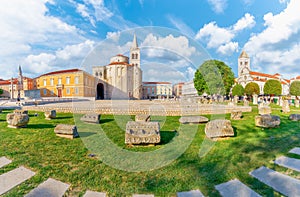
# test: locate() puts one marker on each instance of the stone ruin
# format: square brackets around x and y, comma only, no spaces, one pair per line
[142,118]
[193,119]
[285,106]
[66,131]
[17,120]
[236,115]
[294,117]
[219,128]
[246,103]
[50,114]
[20,111]
[264,109]
[267,121]
[297,103]
[142,133]
[91,118]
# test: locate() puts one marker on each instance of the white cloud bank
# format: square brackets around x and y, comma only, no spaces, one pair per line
[222,38]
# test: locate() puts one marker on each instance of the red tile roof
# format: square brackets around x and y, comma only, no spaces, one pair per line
[7,82]
[120,63]
[61,71]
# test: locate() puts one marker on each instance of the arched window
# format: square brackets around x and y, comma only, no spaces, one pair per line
[136,56]
[96,74]
[132,56]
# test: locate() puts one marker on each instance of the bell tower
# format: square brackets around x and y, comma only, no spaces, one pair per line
[135,56]
[243,62]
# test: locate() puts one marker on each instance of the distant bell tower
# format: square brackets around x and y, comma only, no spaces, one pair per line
[135,56]
[243,63]
[20,82]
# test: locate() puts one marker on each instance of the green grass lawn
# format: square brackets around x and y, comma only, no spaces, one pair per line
[37,148]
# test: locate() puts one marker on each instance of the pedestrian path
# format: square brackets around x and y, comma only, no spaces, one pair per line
[282,183]
[192,193]
[49,188]
[13,178]
[295,151]
[94,194]
[142,195]
[235,188]
[4,161]
[287,162]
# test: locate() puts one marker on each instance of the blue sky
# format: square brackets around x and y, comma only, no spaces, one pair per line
[48,35]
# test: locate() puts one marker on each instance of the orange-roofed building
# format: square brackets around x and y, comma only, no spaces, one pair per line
[245,75]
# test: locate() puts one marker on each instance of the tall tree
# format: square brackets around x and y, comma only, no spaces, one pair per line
[272,86]
[251,88]
[238,90]
[213,77]
[295,88]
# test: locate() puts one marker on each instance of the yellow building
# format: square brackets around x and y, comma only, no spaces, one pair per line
[67,83]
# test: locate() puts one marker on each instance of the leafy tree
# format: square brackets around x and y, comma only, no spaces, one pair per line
[272,86]
[1,91]
[213,77]
[238,90]
[295,88]
[252,88]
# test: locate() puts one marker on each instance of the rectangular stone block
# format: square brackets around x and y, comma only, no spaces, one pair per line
[4,161]
[235,188]
[65,130]
[142,133]
[94,194]
[192,193]
[91,118]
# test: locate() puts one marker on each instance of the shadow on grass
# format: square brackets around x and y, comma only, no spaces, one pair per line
[102,121]
[40,126]
[166,136]
[64,117]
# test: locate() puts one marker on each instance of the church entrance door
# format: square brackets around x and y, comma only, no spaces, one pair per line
[100,91]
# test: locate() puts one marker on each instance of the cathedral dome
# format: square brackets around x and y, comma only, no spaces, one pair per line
[119,59]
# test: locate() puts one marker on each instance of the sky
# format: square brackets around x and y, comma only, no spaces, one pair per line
[175,36]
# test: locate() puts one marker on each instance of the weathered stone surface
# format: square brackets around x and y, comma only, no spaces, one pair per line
[255,99]
[219,128]
[267,121]
[142,133]
[50,114]
[17,120]
[4,161]
[142,118]
[294,117]
[264,110]
[94,194]
[235,188]
[91,118]
[193,119]
[65,130]
[286,106]
[287,162]
[295,150]
[297,103]
[246,103]
[236,115]
[20,111]
[192,193]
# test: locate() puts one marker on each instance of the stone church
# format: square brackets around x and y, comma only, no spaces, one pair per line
[245,75]
[122,77]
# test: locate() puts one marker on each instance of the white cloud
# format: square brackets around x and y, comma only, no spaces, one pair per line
[218,5]
[221,38]
[178,45]
[101,12]
[283,1]
[28,28]
[113,35]
[181,26]
[276,48]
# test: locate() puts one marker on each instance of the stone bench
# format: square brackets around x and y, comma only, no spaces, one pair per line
[66,131]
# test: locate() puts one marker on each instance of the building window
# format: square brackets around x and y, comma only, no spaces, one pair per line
[76,80]
[68,90]
[45,92]
[45,82]
[76,91]
[68,80]
[59,81]
[52,81]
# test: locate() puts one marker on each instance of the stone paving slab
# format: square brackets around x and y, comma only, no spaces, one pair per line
[4,161]
[142,195]
[94,194]
[282,183]
[287,162]
[13,178]
[295,151]
[235,188]
[192,193]
[49,188]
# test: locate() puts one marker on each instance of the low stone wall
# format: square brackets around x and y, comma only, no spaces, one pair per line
[139,107]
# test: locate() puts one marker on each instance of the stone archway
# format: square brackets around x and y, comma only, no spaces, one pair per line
[100,91]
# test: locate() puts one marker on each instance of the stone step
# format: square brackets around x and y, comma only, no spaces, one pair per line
[142,195]
[235,188]
[287,162]
[94,194]
[282,183]
[4,161]
[13,178]
[295,151]
[49,188]
[192,193]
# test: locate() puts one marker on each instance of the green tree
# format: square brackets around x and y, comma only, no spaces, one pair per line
[295,88]
[238,90]
[272,86]
[1,91]
[213,77]
[252,88]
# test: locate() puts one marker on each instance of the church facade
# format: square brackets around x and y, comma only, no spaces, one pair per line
[245,75]
[122,77]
